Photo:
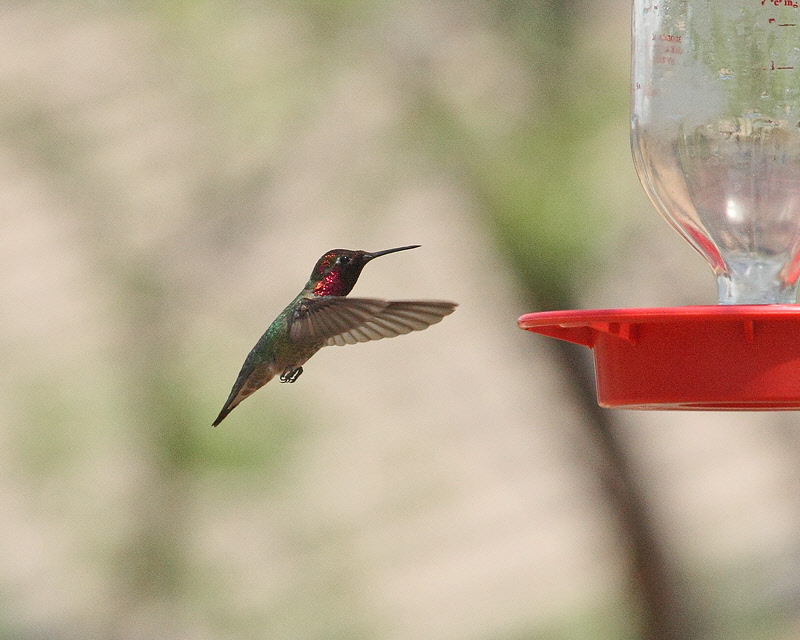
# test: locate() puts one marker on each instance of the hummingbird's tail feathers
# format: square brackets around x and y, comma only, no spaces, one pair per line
[396,318]
[251,378]
[222,414]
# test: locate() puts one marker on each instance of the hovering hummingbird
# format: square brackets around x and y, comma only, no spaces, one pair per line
[321,315]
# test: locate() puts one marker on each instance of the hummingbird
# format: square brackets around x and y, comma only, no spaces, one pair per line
[322,315]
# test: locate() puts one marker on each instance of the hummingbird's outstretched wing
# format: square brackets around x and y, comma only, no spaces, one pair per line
[338,320]
[397,318]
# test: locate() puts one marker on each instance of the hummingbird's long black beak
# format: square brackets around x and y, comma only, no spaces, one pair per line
[376,254]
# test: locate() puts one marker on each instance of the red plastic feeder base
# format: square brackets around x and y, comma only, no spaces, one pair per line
[710,357]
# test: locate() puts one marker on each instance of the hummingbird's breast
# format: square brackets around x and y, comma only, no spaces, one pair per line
[293,355]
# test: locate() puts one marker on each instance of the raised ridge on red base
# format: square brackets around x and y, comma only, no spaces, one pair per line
[727,357]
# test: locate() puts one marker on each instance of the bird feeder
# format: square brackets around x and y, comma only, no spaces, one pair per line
[715,134]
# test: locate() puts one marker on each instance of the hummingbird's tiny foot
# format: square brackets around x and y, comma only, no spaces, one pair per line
[291,375]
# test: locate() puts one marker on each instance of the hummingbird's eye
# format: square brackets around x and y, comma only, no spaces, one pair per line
[343,260]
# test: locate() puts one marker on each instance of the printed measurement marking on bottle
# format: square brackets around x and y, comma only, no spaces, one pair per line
[773,22]
[666,46]
[780,3]
[648,90]
[773,67]
[791,4]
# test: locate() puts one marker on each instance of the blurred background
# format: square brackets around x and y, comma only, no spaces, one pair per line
[169,174]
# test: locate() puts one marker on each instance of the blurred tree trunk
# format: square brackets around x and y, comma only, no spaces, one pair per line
[661,602]
[529,209]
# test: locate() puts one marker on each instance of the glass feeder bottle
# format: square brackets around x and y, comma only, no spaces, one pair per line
[715,131]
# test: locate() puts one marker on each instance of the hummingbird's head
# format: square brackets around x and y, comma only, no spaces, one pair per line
[336,273]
